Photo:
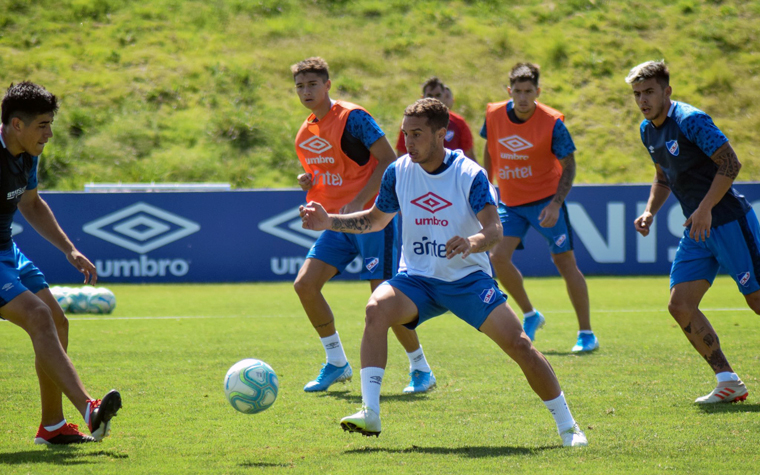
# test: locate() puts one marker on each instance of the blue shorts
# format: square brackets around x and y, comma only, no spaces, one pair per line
[735,246]
[518,219]
[380,251]
[17,275]
[472,298]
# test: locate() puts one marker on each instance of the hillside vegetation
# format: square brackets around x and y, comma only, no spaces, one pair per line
[185,90]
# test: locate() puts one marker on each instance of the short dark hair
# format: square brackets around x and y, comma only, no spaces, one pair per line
[433,110]
[648,70]
[314,65]
[432,83]
[524,72]
[26,101]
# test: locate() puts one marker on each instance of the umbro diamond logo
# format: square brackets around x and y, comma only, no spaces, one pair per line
[141,228]
[515,143]
[315,144]
[431,202]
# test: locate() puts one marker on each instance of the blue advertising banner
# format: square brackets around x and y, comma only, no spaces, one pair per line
[244,236]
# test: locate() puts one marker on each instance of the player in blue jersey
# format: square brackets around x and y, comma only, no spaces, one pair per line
[355,152]
[695,161]
[28,111]
[449,222]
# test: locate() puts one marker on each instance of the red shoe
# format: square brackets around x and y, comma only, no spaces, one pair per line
[99,413]
[68,434]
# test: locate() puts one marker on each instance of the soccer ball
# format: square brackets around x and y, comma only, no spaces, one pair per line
[80,300]
[101,300]
[251,386]
[61,294]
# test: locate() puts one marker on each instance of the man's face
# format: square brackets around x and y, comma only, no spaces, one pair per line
[312,89]
[421,141]
[524,95]
[436,92]
[652,99]
[33,136]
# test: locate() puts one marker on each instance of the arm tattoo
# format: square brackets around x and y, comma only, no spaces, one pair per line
[485,245]
[728,163]
[566,180]
[358,225]
[662,183]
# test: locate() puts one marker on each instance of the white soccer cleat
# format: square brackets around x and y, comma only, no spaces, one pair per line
[366,422]
[727,391]
[574,437]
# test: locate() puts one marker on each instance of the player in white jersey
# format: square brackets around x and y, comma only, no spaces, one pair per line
[450,221]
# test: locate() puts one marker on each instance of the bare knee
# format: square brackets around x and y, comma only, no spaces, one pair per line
[753,300]
[306,287]
[374,315]
[40,324]
[681,310]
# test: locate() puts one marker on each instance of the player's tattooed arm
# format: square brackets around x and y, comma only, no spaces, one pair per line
[566,180]
[351,224]
[727,161]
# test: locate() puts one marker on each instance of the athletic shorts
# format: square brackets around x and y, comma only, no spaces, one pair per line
[472,298]
[518,219]
[17,275]
[379,251]
[735,246]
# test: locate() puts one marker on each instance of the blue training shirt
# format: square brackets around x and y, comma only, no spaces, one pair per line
[562,142]
[682,147]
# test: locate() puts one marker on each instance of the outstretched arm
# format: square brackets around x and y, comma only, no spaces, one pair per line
[314,217]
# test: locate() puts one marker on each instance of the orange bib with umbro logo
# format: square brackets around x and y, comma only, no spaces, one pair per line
[521,154]
[336,179]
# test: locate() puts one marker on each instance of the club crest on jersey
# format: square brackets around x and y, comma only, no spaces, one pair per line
[449,135]
[651,149]
[371,263]
[672,147]
[559,241]
[743,278]
[487,295]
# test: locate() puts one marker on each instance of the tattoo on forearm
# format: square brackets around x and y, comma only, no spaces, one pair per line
[485,245]
[566,180]
[728,163]
[357,225]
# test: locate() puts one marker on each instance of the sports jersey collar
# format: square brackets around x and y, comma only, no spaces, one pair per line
[2,141]
[672,106]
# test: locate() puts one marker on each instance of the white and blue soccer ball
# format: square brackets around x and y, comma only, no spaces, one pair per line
[80,300]
[251,386]
[61,295]
[101,300]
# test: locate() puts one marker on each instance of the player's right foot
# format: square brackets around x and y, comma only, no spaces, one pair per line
[531,324]
[366,422]
[330,374]
[68,434]
[574,437]
[727,391]
[100,412]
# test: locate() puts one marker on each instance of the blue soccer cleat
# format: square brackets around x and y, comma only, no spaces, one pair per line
[327,376]
[421,382]
[586,342]
[531,324]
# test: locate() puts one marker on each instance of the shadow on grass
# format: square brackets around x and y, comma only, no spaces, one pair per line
[65,455]
[569,353]
[357,398]
[723,408]
[472,452]
[265,465]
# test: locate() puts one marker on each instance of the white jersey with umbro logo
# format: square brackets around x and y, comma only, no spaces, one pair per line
[435,208]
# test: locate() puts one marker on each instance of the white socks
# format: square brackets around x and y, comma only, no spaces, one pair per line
[372,379]
[726,376]
[560,412]
[417,361]
[334,350]
[56,426]
[529,314]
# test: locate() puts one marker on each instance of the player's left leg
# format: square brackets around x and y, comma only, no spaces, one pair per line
[51,396]
[577,290]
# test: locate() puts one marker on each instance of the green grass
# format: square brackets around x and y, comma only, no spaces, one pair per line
[189,90]
[167,348]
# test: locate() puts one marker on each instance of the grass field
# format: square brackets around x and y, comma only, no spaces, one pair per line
[167,348]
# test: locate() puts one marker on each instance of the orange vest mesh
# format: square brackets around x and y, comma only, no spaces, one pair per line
[336,179]
[522,161]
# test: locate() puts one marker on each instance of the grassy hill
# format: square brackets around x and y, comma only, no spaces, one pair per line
[184,90]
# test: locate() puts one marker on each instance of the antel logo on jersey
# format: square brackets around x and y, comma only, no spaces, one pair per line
[515,143]
[743,278]
[672,147]
[315,144]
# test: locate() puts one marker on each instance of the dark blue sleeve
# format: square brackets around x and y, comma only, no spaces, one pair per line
[480,193]
[387,200]
[483,131]
[699,128]
[31,183]
[363,126]
[562,142]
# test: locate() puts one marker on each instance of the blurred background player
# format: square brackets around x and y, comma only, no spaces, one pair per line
[530,154]
[344,154]
[693,159]
[443,267]
[458,134]
[28,111]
